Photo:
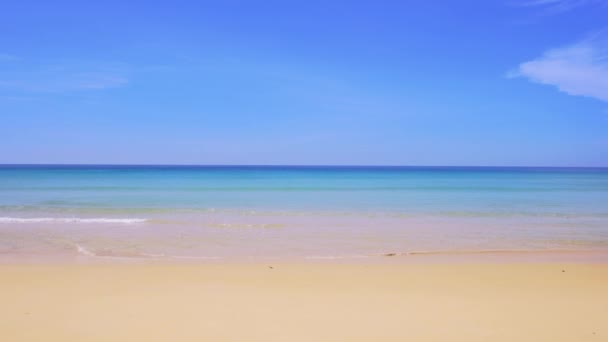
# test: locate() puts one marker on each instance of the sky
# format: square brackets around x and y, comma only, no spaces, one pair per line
[332,82]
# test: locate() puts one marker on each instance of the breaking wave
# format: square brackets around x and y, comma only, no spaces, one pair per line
[70,220]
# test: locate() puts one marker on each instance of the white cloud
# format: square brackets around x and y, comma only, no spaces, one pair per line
[578,69]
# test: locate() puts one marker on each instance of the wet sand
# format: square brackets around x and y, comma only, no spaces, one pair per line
[304,302]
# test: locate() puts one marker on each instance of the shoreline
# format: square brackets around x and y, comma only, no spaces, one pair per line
[500,256]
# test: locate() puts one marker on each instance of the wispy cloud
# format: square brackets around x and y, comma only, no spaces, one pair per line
[63,79]
[577,69]
[557,6]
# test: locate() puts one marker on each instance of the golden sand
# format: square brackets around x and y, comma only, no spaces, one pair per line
[304,302]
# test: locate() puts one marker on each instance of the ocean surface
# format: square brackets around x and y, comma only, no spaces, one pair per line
[222,212]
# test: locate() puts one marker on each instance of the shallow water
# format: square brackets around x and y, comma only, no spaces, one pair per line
[304,212]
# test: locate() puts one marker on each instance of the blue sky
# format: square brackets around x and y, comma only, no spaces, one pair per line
[305,82]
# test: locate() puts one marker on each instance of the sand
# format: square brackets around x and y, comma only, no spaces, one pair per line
[304,302]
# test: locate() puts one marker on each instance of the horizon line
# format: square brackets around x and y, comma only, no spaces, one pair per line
[305,165]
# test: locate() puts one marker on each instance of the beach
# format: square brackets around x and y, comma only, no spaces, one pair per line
[304,302]
[180,253]
[315,171]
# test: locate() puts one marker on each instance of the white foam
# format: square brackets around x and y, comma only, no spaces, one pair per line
[87,252]
[332,257]
[193,257]
[70,220]
[84,251]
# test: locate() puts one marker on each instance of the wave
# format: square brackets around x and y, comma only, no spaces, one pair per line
[28,210]
[84,251]
[334,257]
[70,220]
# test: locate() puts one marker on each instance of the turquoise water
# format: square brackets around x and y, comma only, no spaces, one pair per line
[301,211]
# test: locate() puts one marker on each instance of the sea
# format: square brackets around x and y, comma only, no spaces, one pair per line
[166,212]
